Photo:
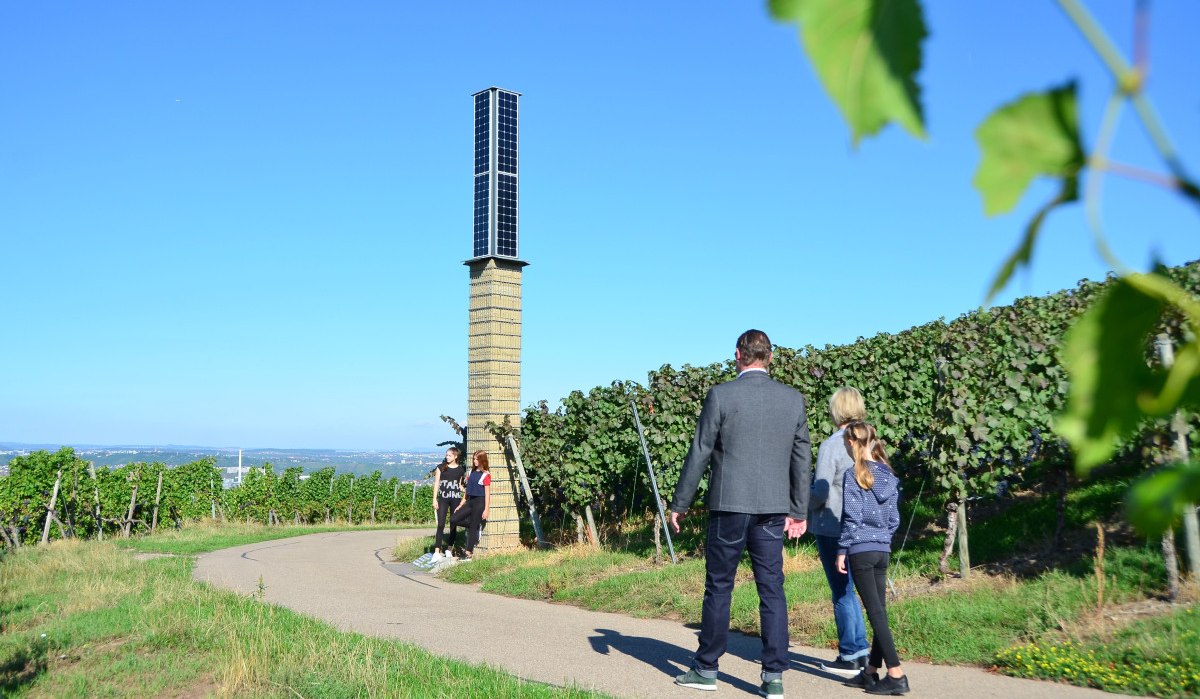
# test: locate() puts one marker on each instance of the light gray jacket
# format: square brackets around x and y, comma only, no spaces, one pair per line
[825,515]
[753,432]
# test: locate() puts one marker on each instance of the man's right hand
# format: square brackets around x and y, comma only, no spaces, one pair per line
[794,528]
[675,520]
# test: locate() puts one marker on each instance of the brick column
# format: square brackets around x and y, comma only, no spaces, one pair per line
[494,385]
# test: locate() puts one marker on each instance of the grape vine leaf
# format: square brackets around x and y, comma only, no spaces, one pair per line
[1104,354]
[867,54]
[1036,134]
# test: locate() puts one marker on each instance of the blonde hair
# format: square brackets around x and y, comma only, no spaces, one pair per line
[864,445]
[847,404]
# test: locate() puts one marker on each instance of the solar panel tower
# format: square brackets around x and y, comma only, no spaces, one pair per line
[494,324]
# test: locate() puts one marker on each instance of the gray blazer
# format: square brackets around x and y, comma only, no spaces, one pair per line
[753,432]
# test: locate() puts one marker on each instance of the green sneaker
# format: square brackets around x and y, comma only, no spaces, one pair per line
[771,690]
[695,680]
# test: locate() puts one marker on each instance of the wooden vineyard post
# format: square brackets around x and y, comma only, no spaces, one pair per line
[951,536]
[129,518]
[50,510]
[157,499]
[1179,426]
[964,550]
[73,503]
[591,526]
[374,501]
[579,535]
[96,485]
[658,501]
[537,521]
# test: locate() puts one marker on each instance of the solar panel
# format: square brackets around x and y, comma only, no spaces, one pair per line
[480,246]
[494,226]
[506,133]
[482,132]
[506,215]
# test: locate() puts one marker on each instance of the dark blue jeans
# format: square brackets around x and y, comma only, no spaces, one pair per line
[851,631]
[729,533]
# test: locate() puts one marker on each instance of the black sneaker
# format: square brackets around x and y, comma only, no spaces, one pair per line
[846,668]
[863,680]
[894,686]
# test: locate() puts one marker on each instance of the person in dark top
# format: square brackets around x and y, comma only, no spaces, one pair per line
[752,441]
[447,496]
[473,510]
[870,518]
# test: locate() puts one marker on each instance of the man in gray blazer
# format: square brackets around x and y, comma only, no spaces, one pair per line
[753,433]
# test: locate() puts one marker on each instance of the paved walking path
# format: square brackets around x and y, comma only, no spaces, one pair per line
[350,580]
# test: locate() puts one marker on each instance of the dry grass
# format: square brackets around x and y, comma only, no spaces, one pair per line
[84,619]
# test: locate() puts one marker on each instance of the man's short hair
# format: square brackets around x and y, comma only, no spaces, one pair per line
[754,346]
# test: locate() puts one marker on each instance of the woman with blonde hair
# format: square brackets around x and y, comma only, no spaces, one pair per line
[870,518]
[825,523]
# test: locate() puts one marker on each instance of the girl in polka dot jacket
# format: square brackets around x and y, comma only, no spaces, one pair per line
[870,517]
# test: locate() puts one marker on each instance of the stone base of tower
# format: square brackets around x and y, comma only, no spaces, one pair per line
[494,385]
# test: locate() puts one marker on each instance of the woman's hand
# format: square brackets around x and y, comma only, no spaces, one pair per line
[841,563]
[485,513]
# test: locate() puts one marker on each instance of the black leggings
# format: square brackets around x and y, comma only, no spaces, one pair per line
[445,507]
[869,571]
[470,516]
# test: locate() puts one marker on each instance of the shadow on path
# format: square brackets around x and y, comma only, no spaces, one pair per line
[749,648]
[667,658]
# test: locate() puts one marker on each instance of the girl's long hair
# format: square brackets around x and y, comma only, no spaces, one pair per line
[864,446]
[481,455]
[446,464]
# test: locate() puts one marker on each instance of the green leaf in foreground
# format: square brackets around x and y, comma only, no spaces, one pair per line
[867,54]
[1104,354]
[1038,134]
[1156,502]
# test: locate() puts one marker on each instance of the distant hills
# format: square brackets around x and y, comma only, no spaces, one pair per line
[405,465]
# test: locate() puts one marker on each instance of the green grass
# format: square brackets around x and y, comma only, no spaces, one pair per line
[210,536]
[84,619]
[1158,656]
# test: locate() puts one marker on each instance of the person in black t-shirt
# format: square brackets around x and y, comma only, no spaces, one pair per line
[447,494]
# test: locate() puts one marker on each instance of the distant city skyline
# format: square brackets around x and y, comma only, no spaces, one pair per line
[405,464]
[244,223]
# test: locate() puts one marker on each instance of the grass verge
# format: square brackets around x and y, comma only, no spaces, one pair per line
[1159,656]
[83,619]
[208,535]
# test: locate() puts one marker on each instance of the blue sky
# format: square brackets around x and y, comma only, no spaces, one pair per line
[243,224]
